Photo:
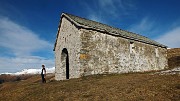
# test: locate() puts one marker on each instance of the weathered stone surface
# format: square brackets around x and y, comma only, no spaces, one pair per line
[69,38]
[96,52]
[111,54]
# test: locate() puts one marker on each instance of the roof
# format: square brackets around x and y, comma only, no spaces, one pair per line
[89,24]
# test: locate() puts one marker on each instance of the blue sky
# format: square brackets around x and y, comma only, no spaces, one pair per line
[28,28]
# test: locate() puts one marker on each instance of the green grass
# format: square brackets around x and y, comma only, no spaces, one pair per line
[115,87]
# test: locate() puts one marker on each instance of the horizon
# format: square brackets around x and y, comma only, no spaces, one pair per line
[28,27]
[30,71]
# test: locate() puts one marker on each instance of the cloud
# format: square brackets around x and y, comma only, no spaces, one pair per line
[95,18]
[150,28]
[108,6]
[13,64]
[143,25]
[146,27]
[21,43]
[31,71]
[113,7]
[102,10]
[19,39]
[171,38]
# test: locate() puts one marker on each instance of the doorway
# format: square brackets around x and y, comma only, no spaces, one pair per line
[65,61]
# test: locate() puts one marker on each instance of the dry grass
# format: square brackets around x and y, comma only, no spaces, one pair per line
[12,78]
[174,57]
[115,87]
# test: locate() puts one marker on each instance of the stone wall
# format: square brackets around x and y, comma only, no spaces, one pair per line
[69,38]
[103,53]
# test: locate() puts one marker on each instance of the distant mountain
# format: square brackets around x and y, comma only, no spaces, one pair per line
[32,71]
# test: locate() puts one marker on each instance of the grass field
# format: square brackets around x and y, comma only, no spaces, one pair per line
[113,87]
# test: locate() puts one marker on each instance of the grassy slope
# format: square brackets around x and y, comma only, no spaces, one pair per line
[121,87]
[174,57]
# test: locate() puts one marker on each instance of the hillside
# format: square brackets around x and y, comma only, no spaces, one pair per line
[174,57]
[152,86]
[114,87]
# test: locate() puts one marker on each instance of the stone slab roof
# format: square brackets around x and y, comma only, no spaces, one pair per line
[89,24]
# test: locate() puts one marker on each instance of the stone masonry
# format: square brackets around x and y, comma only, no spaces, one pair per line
[84,47]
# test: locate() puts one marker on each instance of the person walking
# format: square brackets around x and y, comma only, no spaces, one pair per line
[43,74]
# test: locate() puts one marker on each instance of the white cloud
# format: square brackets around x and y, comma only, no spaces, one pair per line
[145,27]
[13,64]
[108,6]
[116,7]
[103,9]
[32,71]
[19,39]
[150,28]
[21,42]
[171,38]
[95,18]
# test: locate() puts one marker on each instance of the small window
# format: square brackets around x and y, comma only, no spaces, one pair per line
[156,52]
[132,47]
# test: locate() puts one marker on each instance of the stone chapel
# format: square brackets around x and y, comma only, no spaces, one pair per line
[84,47]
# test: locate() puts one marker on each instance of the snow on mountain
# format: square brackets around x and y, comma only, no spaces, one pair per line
[32,71]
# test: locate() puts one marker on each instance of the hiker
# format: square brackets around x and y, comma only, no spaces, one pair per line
[43,74]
